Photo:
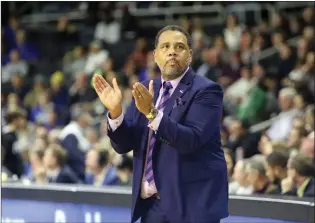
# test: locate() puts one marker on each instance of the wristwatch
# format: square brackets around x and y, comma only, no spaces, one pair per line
[152,114]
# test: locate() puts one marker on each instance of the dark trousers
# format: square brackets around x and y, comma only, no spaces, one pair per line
[156,214]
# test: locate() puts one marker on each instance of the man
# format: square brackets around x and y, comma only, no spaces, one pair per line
[57,171]
[99,170]
[280,129]
[75,142]
[180,173]
[256,176]
[12,159]
[300,180]
[240,184]
[276,168]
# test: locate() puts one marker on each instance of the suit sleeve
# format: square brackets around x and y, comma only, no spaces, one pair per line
[202,122]
[124,138]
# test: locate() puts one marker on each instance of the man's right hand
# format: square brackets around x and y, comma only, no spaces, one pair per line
[111,97]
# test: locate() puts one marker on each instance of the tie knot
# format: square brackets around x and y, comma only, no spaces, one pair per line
[167,85]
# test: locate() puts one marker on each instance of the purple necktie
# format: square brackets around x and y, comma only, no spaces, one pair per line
[165,96]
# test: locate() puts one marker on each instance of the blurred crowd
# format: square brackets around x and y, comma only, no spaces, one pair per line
[54,127]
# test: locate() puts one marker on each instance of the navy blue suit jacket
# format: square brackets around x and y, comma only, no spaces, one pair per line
[188,162]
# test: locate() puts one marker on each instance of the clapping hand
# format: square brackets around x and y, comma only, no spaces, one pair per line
[111,97]
[143,97]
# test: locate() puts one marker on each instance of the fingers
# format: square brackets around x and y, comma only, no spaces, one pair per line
[151,89]
[115,85]
[100,84]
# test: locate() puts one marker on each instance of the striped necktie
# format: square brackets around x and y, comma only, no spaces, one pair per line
[149,171]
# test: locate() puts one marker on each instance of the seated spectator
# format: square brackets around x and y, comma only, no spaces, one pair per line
[307,146]
[12,159]
[58,91]
[99,170]
[32,96]
[108,29]
[139,55]
[240,184]
[300,180]
[39,113]
[55,163]
[74,62]
[95,58]
[28,52]
[240,137]
[232,33]
[16,65]
[81,90]
[73,139]
[280,129]
[36,155]
[252,108]
[124,171]
[10,30]
[276,168]
[257,176]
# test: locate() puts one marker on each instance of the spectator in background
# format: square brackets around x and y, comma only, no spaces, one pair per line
[240,184]
[9,136]
[10,30]
[307,146]
[74,62]
[39,113]
[35,164]
[81,90]
[95,58]
[308,17]
[32,96]
[139,55]
[257,176]
[99,170]
[280,129]
[239,137]
[232,33]
[276,168]
[129,24]
[16,86]
[28,52]
[74,140]
[124,171]
[108,29]
[58,91]
[16,65]
[300,178]
[54,159]
[252,108]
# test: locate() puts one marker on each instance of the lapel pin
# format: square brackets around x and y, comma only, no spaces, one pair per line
[181,91]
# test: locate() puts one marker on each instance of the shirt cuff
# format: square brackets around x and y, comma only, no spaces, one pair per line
[113,124]
[155,123]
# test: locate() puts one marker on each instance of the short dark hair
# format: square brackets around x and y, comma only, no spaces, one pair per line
[174,28]
[277,159]
[303,165]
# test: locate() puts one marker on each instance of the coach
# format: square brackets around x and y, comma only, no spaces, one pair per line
[173,128]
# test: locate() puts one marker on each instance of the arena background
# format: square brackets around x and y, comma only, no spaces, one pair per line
[57,164]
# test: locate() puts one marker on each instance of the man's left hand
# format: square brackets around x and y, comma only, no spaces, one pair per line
[143,97]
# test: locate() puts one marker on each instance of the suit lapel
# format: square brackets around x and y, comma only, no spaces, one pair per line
[157,87]
[180,90]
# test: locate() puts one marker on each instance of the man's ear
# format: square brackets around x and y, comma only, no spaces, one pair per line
[190,56]
[154,55]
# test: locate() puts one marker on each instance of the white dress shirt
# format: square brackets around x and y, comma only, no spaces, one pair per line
[146,189]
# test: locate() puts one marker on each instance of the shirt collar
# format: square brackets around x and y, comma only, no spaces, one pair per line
[176,81]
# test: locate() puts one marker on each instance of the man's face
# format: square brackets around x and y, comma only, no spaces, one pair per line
[270,172]
[172,54]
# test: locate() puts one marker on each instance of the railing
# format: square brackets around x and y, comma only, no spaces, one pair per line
[168,12]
